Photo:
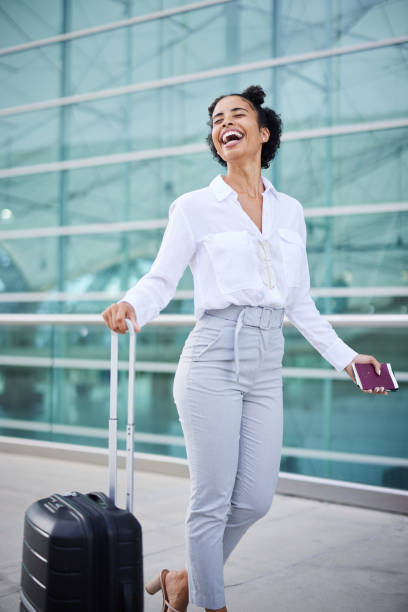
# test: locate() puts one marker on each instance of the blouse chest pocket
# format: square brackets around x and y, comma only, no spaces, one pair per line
[233,259]
[292,249]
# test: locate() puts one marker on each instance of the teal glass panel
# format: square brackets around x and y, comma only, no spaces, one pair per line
[345,89]
[36,260]
[33,201]
[31,138]
[151,50]
[344,251]
[20,85]
[99,12]
[22,22]
[26,403]
[336,417]
[278,28]
[355,22]
[360,168]
[370,86]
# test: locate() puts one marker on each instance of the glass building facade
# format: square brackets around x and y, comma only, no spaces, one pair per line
[103,120]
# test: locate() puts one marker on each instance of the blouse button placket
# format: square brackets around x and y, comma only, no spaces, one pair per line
[267,260]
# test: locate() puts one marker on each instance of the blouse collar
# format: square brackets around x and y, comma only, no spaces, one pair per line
[221,189]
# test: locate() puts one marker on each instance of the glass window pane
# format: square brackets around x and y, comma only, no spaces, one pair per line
[22,22]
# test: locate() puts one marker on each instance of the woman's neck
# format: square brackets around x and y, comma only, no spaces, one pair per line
[245,180]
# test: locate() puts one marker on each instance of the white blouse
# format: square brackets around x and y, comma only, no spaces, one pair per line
[234,263]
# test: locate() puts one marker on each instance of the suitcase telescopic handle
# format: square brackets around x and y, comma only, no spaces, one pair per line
[113,417]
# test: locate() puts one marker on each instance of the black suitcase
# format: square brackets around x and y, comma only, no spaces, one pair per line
[81,553]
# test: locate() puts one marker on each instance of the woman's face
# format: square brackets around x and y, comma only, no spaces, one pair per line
[235,132]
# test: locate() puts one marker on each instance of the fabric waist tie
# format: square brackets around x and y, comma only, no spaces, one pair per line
[264,317]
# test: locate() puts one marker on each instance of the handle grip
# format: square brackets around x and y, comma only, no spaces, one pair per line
[113,417]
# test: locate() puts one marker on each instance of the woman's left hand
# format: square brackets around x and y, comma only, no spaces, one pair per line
[377,366]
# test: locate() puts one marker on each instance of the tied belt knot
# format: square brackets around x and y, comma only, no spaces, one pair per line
[264,317]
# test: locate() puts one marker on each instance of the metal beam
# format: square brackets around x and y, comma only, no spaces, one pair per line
[162,367]
[188,294]
[175,320]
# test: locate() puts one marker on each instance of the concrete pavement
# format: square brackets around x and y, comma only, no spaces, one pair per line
[303,556]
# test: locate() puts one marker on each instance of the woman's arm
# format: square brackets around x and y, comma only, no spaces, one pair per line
[304,315]
[155,289]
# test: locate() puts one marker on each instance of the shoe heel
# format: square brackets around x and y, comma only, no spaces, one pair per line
[153,586]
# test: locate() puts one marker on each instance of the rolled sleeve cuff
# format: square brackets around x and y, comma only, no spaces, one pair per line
[339,354]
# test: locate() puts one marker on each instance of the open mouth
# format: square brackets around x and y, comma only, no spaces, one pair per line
[231,138]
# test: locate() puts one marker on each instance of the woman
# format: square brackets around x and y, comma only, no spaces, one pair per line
[246,245]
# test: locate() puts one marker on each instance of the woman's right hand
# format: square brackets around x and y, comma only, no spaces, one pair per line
[116,314]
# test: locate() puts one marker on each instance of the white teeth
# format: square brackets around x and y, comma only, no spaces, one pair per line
[229,133]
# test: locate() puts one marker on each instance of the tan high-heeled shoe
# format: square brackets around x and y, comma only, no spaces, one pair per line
[158,583]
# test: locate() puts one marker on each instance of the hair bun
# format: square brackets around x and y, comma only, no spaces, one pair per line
[255,94]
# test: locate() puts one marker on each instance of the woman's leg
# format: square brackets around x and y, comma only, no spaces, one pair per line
[210,414]
[260,445]
[233,436]
[259,458]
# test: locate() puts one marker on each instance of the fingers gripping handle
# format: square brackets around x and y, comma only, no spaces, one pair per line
[113,417]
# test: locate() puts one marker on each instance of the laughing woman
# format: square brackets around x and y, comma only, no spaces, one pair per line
[245,243]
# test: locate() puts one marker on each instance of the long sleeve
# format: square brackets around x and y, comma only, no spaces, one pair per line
[304,315]
[155,289]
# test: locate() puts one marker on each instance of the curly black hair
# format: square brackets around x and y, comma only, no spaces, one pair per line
[267,117]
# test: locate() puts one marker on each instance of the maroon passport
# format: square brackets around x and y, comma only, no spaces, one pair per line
[367,377]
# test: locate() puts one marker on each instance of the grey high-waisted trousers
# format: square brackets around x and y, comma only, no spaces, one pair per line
[228,393]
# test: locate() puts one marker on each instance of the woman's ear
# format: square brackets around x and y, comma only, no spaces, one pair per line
[265,134]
